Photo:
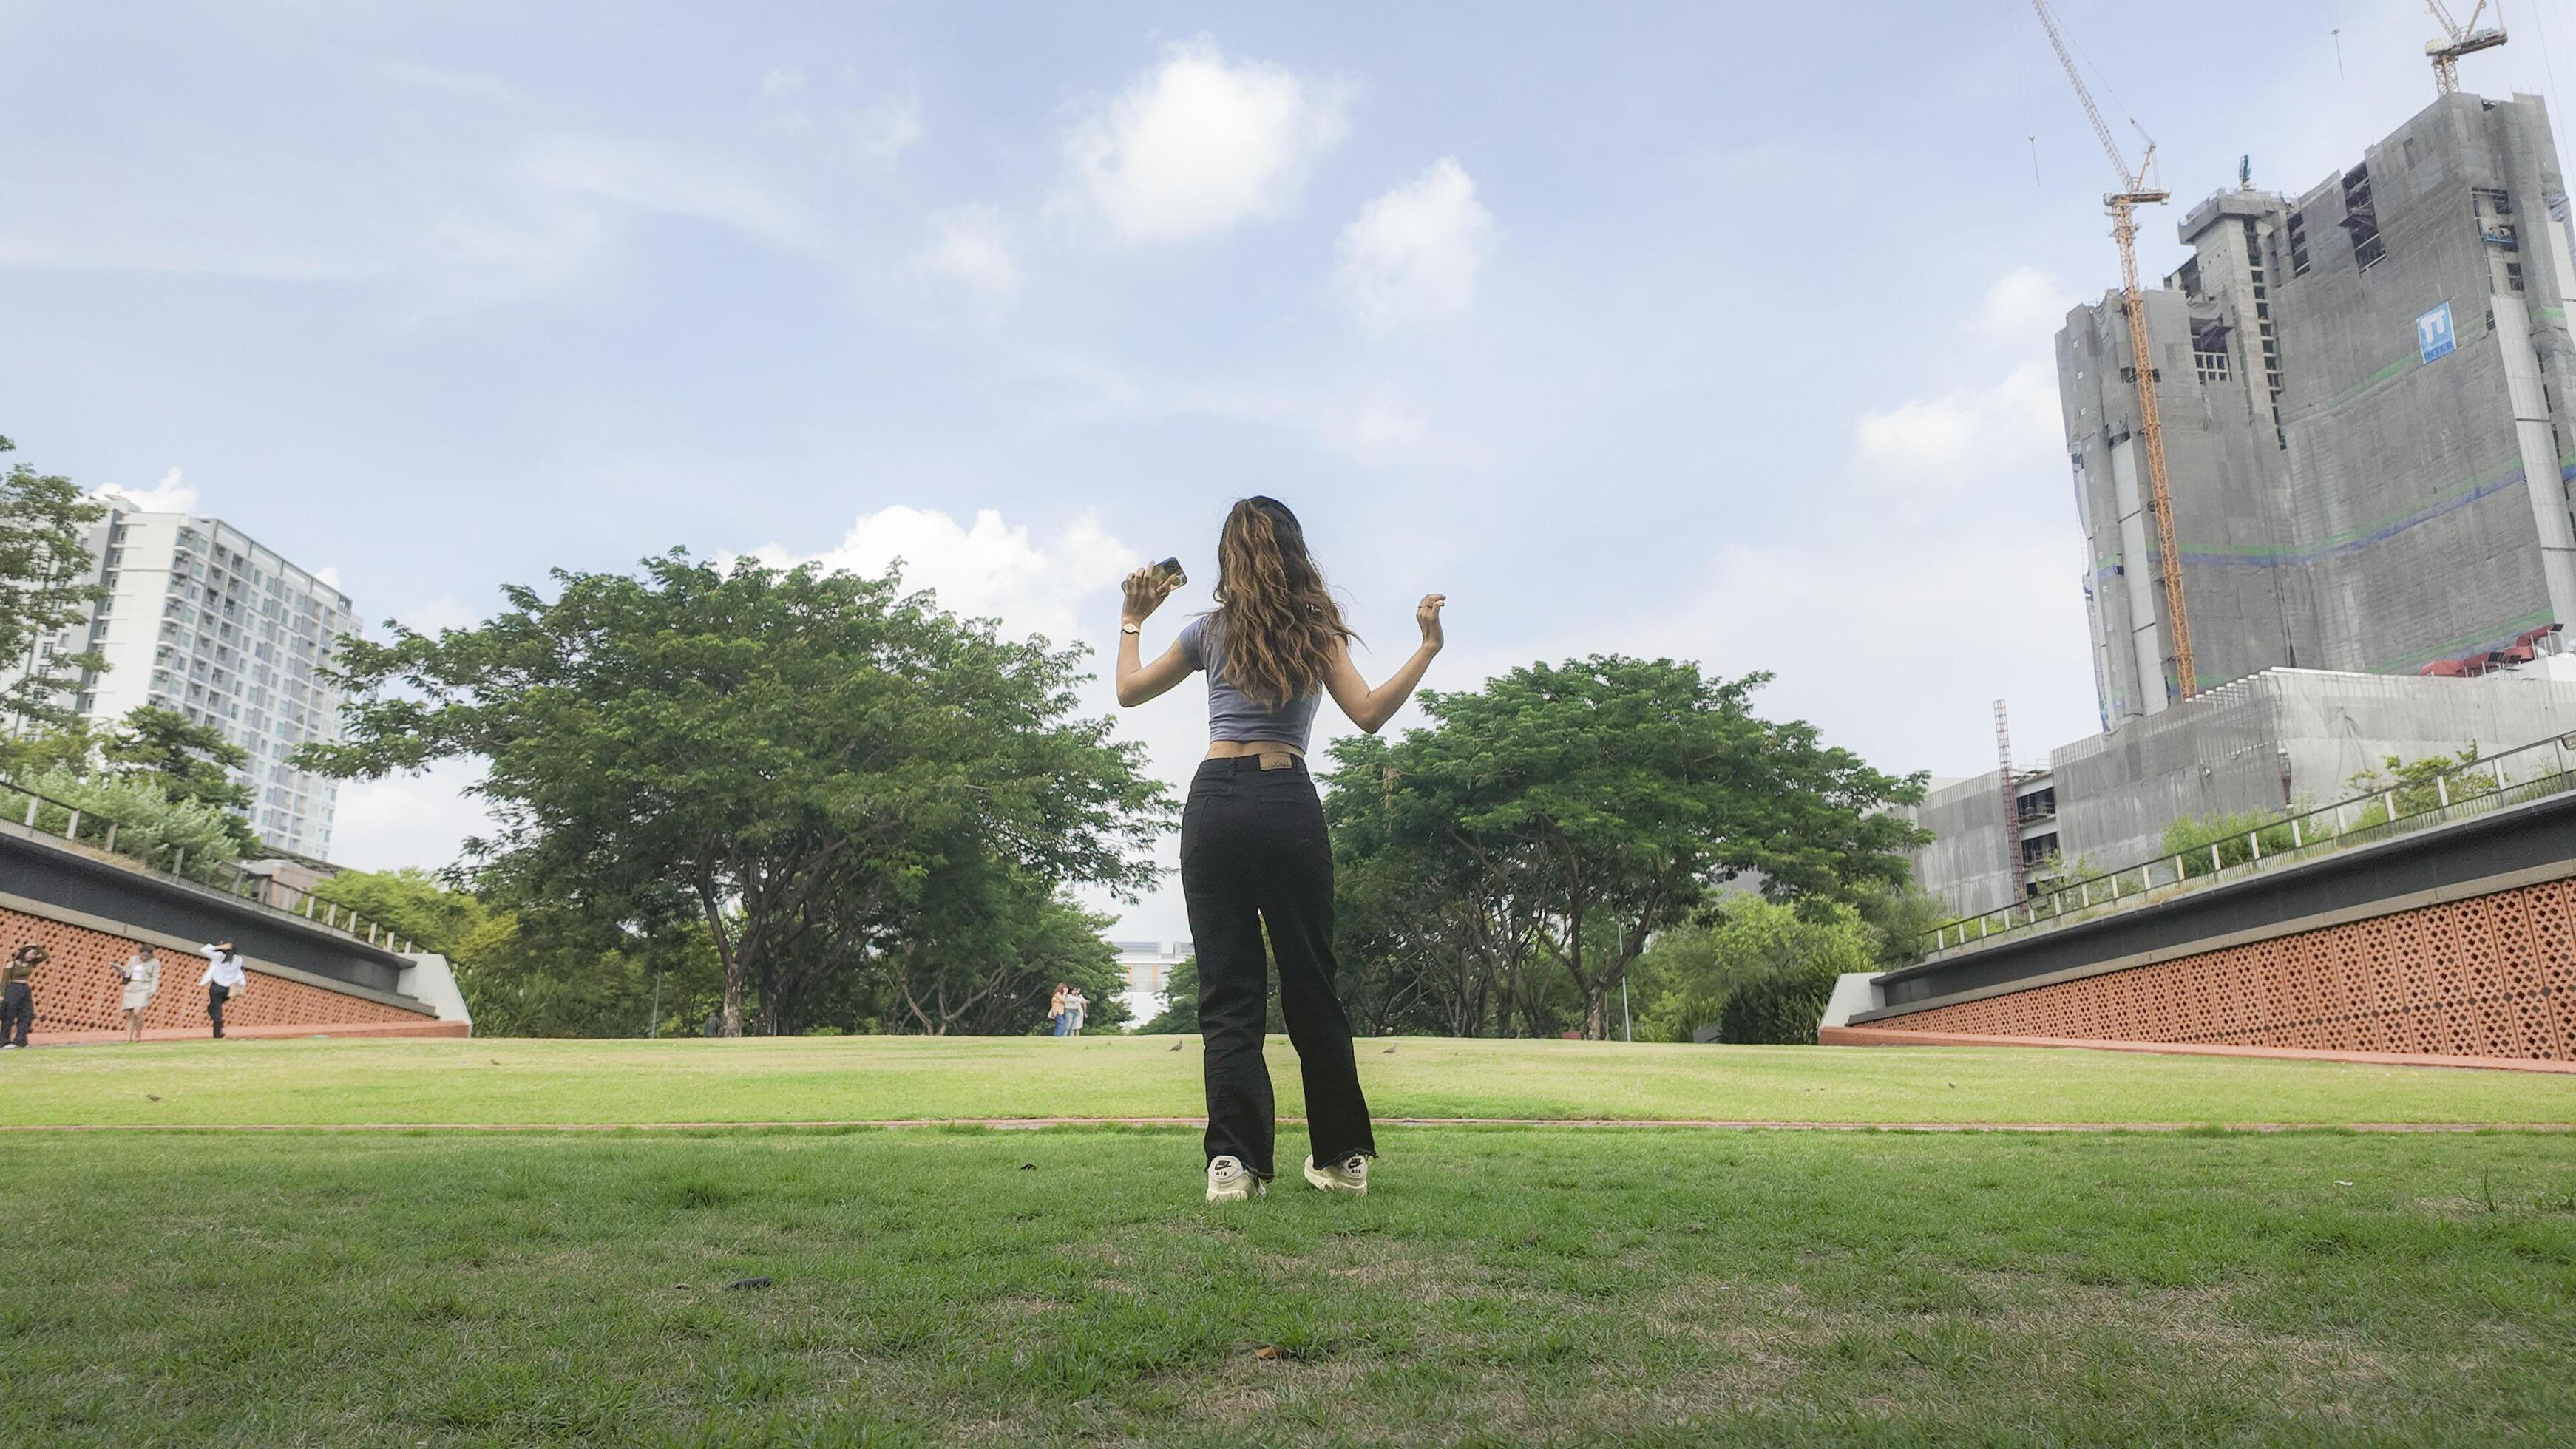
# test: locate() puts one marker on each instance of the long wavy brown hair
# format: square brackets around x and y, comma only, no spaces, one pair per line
[1279,625]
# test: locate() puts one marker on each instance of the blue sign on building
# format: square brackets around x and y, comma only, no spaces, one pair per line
[2433,335]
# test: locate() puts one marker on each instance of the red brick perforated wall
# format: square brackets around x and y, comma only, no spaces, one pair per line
[78,990]
[2492,976]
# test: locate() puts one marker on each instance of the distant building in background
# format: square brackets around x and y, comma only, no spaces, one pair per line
[1148,968]
[2282,739]
[202,620]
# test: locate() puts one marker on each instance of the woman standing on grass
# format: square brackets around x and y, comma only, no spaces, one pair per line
[1253,848]
[142,975]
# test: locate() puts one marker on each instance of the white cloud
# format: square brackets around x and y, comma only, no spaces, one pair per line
[1962,435]
[987,570]
[782,82]
[401,820]
[1375,433]
[893,128]
[329,575]
[970,245]
[1873,616]
[168,496]
[1978,430]
[1413,253]
[1199,143]
[2024,309]
[669,181]
[444,612]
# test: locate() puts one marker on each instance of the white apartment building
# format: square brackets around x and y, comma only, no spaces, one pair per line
[201,619]
[1148,968]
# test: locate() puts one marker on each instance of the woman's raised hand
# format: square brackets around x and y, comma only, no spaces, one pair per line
[1427,614]
[1145,592]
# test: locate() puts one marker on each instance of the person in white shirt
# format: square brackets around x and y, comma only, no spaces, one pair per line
[142,973]
[224,978]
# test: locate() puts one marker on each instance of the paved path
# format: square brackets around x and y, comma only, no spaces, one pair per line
[1024,1124]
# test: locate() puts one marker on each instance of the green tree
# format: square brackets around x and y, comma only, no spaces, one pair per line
[1750,967]
[1427,937]
[986,946]
[63,749]
[1180,1013]
[191,763]
[1681,983]
[552,974]
[520,979]
[1604,797]
[1899,917]
[45,587]
[1745,961]
[788,758]
[412,903]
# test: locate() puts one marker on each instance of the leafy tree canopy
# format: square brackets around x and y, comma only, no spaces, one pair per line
[413,903]
[799,761]
[191,763]
[45,569]
[1579,808]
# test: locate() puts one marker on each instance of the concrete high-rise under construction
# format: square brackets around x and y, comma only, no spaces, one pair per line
[2368,404]
[2368,397]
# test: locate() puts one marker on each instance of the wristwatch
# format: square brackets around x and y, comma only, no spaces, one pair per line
[1135,629]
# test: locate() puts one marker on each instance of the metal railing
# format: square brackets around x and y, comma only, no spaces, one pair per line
[46,815]
[2528,772]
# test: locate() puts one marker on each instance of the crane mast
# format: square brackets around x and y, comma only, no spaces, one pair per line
[2123,204]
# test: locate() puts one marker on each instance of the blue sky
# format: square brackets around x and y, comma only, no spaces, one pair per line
[1714,331]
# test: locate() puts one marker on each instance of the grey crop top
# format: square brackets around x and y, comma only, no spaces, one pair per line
[1233,715]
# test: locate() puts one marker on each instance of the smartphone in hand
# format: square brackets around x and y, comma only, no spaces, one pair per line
[1170,574]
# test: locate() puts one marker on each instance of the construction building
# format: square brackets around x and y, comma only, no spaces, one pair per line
[2283,739]
[2367,400]
[2368,396]
[201,619]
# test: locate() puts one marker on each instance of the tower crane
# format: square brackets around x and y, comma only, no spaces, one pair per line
[2464,40]
[2123,204]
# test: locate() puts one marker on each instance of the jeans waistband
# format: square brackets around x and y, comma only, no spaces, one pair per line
[1241,764]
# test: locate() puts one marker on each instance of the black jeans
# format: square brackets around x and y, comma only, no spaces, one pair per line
[215,994]
[1254,854]
[17,1012]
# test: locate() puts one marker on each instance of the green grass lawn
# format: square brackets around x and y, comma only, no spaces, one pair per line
[874,1078]
[1501,1285]
[953,1284]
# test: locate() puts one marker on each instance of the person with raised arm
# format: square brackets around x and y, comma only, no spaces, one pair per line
[1254,853]
[224,979]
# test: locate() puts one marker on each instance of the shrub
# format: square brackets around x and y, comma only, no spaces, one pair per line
[1759,969]
[149,825]
[2192,839]
[1780,1008]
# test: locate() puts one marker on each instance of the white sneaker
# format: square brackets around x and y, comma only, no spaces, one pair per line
[1230,1181]
[1349,1175]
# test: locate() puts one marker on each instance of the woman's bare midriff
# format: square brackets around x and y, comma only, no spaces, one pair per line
[1237,749]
